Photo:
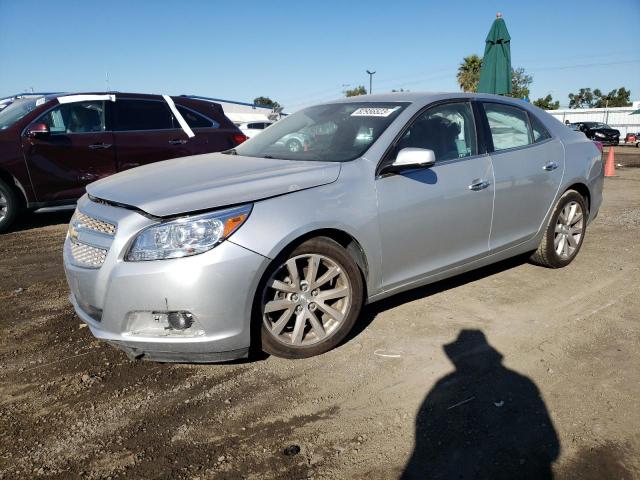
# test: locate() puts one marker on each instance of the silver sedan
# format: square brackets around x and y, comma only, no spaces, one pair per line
[204,258]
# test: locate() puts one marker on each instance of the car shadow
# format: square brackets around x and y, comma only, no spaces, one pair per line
[29,221]
[370,312]
[482,421]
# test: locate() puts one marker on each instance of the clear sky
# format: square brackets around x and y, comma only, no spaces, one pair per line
[299,52]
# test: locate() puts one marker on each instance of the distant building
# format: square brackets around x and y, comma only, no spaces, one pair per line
[619,118]
[242,112]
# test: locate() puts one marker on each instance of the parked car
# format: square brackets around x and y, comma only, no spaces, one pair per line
[199,259]
[52,146]
[251,129]
[632,138]
[601,132]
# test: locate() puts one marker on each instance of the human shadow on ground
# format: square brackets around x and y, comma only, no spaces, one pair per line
[482,421]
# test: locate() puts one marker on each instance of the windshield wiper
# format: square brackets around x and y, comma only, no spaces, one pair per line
[267,156]
[231,151]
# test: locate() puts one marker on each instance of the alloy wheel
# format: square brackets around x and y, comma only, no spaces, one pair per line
[568,230]
[294,146]
[306,300]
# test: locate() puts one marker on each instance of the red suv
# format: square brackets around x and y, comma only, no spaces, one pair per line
[52,146]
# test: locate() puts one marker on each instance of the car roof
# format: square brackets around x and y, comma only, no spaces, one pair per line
[119,94]
[427,97]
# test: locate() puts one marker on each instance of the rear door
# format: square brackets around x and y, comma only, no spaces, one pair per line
[528,165]
[146,132]
[78,150]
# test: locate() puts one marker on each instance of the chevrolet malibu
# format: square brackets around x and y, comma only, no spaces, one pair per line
[205,258]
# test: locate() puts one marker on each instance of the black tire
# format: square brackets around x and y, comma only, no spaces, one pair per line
[294,145]
[8,212]
[336,253]
[546,254]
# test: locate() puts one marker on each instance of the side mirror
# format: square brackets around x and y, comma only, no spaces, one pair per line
[38,130]
[412,158]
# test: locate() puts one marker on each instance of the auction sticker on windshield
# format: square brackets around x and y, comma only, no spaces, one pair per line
[373,112]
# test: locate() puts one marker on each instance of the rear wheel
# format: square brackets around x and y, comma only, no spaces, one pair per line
[565,232]
[310,301]
[9,206]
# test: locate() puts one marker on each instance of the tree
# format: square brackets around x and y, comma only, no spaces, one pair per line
[266,102]
[620,97]
[582,99]
[354,92]
[520,82]
[547,103]
[469,73]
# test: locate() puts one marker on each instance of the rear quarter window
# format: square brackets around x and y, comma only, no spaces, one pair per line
[540,133]
[195,120]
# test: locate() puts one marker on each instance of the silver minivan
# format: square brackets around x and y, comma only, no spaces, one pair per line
[202,258]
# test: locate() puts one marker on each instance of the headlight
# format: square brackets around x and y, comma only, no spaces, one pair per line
[599,134]
[187,236]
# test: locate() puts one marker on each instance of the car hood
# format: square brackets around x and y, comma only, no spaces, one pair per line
[204,182]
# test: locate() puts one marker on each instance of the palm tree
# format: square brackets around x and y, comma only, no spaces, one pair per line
[469,73]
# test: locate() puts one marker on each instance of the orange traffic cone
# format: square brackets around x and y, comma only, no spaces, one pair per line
[610,165]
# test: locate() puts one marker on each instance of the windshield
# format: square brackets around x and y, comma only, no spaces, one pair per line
[335,132]
[17,110]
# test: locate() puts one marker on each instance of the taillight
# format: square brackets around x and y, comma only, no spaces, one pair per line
[599,145]
[238,138]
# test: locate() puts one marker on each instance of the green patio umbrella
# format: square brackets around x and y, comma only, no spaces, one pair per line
[495,73]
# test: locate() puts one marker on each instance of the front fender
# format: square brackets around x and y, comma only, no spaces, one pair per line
[348,205]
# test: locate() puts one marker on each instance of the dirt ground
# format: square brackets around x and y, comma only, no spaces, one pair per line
[546,379]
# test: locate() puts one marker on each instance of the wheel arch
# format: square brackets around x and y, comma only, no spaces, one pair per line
[583,190]
[344,239]
[15,185]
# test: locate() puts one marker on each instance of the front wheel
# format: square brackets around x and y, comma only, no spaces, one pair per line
[565,233]
[310,301]
[294,146]
[9,206]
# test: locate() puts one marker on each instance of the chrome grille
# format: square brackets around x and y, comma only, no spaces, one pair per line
[82,221]
[87,256]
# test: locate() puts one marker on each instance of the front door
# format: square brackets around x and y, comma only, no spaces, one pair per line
[528,165]
[78,150]
[434,219]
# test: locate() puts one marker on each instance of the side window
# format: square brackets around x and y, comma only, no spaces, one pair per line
[509,126]
[80,117]
[143,115]
[540,133]
[447,129]
[195,120]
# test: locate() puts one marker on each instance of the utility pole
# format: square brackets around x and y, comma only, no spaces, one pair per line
[371,74]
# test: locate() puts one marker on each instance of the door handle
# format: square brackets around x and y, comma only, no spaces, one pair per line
[99,146]
[550,166]
[177,141]
[479,185]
